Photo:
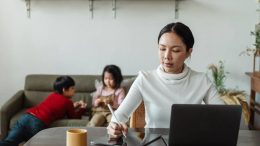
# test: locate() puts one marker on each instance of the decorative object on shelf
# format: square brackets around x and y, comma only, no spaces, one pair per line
[28,8]
[229,96]
[114,8]
[91,5]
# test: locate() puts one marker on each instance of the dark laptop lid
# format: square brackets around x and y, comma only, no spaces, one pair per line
[204,125]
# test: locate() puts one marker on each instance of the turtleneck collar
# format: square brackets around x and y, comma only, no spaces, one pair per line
[172,78]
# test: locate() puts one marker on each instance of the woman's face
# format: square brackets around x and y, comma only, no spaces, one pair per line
[172,53]
[109,80]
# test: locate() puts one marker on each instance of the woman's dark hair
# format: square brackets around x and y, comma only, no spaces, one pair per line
[181,30]
[63,82]
[116,73]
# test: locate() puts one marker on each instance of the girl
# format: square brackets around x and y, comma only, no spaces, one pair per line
[109,92]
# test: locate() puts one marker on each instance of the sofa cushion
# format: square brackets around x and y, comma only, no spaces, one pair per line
[40,82]
[126,83]
[33,98]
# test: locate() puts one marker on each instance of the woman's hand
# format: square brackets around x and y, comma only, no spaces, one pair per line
[116,130]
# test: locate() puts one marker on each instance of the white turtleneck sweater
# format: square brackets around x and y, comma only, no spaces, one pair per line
[159,90]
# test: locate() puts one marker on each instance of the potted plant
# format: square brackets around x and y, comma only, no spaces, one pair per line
[255,52]
[229,96]
[256,63]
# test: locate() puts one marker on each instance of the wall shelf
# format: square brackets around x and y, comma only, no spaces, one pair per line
[114,2]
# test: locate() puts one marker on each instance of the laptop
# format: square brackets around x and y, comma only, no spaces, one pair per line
[204,125]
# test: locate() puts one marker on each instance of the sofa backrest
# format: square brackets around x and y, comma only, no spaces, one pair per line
[39,86]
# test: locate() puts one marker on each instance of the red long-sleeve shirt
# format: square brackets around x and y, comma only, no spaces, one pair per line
[54,107]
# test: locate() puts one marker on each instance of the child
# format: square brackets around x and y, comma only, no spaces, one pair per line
[54,107]
[110,92]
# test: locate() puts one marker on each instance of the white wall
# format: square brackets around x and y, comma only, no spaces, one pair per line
[60,37]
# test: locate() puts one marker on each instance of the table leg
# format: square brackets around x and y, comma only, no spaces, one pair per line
[252,112]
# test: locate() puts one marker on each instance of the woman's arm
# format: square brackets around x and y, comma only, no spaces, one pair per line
[126,108]
[130,103]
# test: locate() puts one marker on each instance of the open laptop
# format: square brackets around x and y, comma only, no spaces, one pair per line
[204,125]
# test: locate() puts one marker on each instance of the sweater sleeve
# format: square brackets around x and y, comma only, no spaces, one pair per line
[130,103]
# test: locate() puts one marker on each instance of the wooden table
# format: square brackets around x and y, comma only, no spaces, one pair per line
[57,136]
[254,105]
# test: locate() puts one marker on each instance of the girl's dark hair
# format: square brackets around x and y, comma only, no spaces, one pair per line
[63,82]
[116,73]
[182,31]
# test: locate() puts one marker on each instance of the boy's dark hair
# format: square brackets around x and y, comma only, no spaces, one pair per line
[63,82]
[182,31]
[116,73]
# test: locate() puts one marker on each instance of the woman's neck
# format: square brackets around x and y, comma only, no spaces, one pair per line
[180,70]
[173,77]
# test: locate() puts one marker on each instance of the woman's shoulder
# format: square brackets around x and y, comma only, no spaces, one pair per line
[202,76]
[197,73]
[147,74]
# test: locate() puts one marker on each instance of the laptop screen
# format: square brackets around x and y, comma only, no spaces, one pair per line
[204,125]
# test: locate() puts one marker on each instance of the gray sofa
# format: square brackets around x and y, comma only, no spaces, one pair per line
[39,86]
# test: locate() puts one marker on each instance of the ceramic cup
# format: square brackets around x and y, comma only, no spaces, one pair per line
[76,137]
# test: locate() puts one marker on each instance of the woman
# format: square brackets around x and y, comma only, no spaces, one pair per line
[172,82]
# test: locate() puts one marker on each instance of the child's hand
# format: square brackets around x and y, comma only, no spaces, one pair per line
[83,104]
[80,104]
[107,101]
[98,102]
[76,104]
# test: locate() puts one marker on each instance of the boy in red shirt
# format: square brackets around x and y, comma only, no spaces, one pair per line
[54,107]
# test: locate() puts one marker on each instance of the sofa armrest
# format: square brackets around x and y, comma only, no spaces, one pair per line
[8,109]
